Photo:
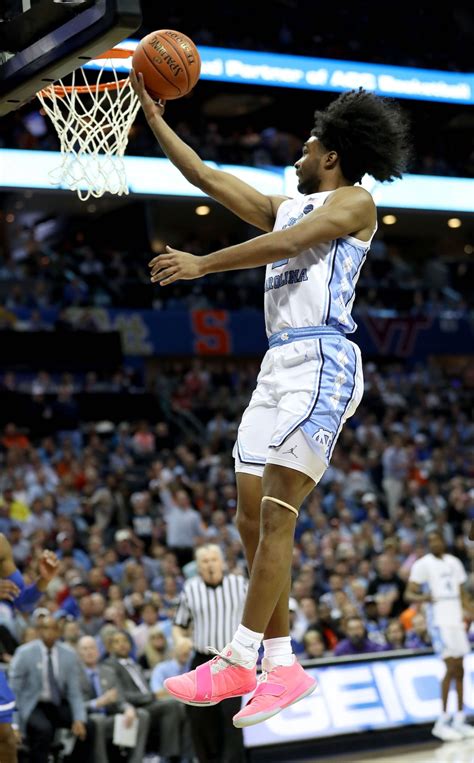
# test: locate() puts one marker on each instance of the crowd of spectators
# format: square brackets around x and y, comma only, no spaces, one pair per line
[125,505]
[70,270]
[226,141]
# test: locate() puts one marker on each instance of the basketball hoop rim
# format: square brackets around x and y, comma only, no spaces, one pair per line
[62,90]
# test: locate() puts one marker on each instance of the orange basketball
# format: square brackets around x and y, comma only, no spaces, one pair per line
[169,62]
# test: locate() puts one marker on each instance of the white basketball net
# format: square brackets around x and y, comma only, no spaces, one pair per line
[92,123]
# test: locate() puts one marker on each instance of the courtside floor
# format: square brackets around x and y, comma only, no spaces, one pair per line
[448,752]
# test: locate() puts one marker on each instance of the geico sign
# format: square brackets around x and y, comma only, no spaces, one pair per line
[362,696]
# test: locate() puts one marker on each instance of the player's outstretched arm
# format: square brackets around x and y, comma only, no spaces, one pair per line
[351,211]
[246,202]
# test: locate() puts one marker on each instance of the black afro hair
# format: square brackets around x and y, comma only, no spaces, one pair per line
[370,135]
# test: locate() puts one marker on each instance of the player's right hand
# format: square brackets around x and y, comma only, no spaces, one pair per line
[150,107]
[8,590]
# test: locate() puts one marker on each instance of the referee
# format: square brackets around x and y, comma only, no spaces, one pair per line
[211,604]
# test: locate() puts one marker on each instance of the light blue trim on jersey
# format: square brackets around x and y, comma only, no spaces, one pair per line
[436,639]
[317,389]
[251,460]
[280,263]
[324,416]
[349,401]
[346,266]
[331,257]
[350,301]
[305,332]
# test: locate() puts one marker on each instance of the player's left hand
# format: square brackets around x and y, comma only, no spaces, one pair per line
[174,265]
[48,566]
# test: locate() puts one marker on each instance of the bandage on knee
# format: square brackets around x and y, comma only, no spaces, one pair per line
[280,503]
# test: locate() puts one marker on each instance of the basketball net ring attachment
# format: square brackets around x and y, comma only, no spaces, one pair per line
[92,120]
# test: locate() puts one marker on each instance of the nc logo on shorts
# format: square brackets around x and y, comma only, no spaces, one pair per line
[323,437]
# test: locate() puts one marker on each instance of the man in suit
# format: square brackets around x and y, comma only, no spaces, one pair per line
[104,700]
[166,715]
[45,679]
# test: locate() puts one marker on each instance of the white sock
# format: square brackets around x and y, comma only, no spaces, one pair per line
[444,717]
[459,718]
[278,651]
[247,643]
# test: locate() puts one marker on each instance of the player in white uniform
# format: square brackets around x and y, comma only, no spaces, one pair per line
[438,578]
[311,377]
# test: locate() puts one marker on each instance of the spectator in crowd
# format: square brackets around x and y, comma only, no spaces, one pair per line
[395,637]
[89,621]
[175,666]
[211,604]
[148,620]
[67,547]
[103,701]
[356,641]
[388,584]
[70,633]
[418,637]
[329,627]
[156,648]
[13,438]
[184,525]
[45,681]
[314,646]
[163,717]
[395,462]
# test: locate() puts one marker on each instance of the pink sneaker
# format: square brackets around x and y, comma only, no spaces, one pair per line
[220,678]
[277,688]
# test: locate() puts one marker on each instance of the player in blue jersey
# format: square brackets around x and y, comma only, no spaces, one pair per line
[22,597]
[310,382]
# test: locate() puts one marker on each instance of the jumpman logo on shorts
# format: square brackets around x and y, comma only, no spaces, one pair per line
[291,451]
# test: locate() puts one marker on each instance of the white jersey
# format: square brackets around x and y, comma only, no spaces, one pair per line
[443,577]
[317,287]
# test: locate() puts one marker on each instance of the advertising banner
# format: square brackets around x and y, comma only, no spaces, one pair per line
[364,696]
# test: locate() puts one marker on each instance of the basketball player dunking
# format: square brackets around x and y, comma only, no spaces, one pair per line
[311,377]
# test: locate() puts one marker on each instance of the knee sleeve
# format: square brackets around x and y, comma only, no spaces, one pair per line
[280,503]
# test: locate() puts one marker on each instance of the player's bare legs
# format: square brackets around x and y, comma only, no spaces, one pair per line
[269,546]
[449,676]
[458,670]
[248,524]
[8,745]
[272,561]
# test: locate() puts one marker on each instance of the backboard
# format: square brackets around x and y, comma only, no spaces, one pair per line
[42,41]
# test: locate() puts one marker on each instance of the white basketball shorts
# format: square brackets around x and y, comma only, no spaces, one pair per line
[450,641]
[310,383]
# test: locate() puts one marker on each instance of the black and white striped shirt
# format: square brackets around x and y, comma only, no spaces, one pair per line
[215,612]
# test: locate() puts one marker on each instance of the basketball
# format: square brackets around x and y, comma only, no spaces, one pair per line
[170,64]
